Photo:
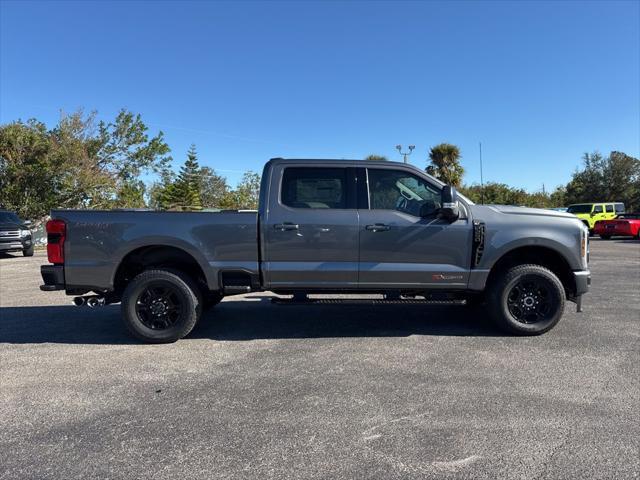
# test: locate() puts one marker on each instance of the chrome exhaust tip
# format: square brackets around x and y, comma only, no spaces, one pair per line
[94,302]
[79,301]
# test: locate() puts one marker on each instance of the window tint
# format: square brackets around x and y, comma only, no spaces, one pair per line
[401,191]
[609,208]
[580,208]
[597,209]
[308,187]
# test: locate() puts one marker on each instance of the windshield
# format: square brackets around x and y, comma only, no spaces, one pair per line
[9,217]
[584,208]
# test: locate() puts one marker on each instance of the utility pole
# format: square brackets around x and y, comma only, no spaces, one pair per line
[481,179]
[406,154]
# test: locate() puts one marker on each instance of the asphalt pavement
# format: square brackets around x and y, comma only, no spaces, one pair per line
[266,391]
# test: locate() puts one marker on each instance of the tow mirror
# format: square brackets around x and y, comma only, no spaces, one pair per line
[449,202]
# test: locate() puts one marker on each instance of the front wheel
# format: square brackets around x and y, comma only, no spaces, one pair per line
[161,306]
[28,252]
[527,300]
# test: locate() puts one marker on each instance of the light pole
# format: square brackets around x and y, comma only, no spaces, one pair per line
[405,154]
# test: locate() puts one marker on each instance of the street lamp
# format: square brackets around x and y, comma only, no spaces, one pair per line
[405,154]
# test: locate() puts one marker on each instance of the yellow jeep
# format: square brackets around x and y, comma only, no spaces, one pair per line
[590,213]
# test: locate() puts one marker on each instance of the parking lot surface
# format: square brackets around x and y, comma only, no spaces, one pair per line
[263,391]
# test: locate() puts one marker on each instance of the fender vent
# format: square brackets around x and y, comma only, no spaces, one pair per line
[478,242]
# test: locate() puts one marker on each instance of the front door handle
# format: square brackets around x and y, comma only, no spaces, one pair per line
[283,227]
[378,227]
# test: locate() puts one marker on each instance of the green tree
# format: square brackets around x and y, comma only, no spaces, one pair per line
[77,164]
[495,193]
[185,193]
[615,178]
[245,195]
[445,164]
[213,188]
[377,158]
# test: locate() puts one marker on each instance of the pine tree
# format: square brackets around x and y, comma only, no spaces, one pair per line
[185,194]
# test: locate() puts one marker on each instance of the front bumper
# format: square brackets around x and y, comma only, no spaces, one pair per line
[13,246]
[53,276]
[583,281]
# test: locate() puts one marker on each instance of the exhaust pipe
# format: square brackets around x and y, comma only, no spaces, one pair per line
[90,301]
[94,302]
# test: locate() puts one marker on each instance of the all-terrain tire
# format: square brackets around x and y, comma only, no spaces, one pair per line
[28,252]
[183,302]
[513,295]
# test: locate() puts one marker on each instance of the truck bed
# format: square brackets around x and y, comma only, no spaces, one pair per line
[97,241]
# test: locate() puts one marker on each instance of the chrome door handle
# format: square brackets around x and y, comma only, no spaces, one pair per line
[283,227]
[378,227]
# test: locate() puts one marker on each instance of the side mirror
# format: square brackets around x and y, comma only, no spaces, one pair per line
[449,202]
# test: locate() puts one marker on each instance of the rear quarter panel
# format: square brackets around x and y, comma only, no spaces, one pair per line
[97,241]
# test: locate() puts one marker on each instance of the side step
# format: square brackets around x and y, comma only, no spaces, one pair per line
[365,301]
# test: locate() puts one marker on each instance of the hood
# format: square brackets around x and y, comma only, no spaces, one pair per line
[513,210]
[11,226]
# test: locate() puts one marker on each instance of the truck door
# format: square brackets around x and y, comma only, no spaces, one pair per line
[310,230]
[400,248]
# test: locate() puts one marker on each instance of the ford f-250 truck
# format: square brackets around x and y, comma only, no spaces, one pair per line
[324,226]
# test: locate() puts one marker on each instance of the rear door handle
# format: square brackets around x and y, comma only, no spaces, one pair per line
[378,227]
[283,227]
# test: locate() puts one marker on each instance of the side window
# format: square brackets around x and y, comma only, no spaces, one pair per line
[619,208]
[597,209]
[308,187]
[609,208]
[401,191]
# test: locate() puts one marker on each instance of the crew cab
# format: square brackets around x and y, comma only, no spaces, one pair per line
[324,226]
[625,225]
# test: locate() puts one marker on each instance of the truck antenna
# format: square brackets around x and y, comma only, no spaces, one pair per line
[481,179]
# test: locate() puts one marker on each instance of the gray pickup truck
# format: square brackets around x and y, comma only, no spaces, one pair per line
[324,226]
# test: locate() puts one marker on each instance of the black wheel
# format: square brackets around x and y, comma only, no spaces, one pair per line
[28,252]
[161,306]
[605,237]
[527,300]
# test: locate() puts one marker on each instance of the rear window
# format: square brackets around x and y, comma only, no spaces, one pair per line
[619,207]
[582,208]
[308,187]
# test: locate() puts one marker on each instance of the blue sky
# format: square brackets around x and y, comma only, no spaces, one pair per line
[539,83]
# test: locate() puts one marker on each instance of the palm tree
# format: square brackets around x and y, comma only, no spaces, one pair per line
[445,164]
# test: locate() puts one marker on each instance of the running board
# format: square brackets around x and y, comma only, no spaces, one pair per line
[364,301]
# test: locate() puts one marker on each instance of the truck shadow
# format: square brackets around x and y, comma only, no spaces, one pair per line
[244,321]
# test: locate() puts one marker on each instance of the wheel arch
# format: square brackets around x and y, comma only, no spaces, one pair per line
[538,255]
[157,256]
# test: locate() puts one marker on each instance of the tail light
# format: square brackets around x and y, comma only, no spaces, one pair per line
[56,232]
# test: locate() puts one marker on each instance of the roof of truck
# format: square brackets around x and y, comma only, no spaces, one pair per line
[338,160]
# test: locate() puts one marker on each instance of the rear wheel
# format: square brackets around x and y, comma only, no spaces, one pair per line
[161,306]
[527,300]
